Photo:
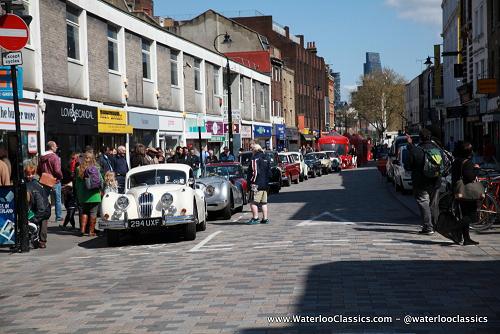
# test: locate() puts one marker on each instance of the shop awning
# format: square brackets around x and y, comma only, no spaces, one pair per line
[308,137]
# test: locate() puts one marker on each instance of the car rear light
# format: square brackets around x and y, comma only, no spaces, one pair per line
[183,212]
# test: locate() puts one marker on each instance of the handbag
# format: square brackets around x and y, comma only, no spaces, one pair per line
[48,180]
[473,191]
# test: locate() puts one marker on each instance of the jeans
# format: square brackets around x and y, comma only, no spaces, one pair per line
[428,204]
[57,198]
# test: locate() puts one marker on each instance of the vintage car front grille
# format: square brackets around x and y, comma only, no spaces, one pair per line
[145,205]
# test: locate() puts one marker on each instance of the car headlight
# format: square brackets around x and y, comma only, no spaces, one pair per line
[166,199]
[209,190]
[122,203]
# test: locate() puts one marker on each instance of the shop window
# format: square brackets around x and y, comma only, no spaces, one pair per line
[73,32]
[113,48]
[146,59]
[197,75]
[174,74]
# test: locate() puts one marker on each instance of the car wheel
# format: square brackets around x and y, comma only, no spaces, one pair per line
[190,228]
[301,177]
[313,175]
[320,172]
[288,182]
[113,238]
[202,226]
[297,180]
[227,211]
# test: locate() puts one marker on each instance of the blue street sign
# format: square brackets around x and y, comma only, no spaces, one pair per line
[262,131]
[6,83]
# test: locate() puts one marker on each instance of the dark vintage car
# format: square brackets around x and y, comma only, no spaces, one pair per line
[276,172]
[314,165]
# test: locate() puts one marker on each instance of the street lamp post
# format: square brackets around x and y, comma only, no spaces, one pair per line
[227,40]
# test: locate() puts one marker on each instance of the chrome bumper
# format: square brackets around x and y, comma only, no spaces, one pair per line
[123,225]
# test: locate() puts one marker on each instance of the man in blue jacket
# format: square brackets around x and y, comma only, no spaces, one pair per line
[259,173]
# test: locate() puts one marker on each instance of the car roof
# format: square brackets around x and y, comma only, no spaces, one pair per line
[168,166]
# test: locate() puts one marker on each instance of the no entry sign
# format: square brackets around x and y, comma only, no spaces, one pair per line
[13,32]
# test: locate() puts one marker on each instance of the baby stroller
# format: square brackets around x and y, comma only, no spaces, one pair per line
[33,231]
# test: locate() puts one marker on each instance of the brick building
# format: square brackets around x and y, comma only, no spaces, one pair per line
[309,68]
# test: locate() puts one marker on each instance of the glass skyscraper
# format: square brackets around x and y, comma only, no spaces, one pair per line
[372,63]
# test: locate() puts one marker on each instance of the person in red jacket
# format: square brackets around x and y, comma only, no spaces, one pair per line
[50,163]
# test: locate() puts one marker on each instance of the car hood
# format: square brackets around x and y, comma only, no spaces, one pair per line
[159,188]
[212,180]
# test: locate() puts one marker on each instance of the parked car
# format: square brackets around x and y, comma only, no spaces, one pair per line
[402,176]
[326,163]
[399,142]
[336,161]
[291,168]
[313,164]
[276,172]
[157,197]
[304,169]
[222,195]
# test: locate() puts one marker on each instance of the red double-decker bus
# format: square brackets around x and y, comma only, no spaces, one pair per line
[335,142]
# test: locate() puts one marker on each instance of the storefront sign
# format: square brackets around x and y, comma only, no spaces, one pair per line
[113,121]
[70,113]
[6,83]
[261,131]
[29,116]
[32,143]
[236,128]
[216,128]
[292,134]
[246,131]
[144,121]
[218,139]
[7,216]
[280,131]
[174,124]
[192,129]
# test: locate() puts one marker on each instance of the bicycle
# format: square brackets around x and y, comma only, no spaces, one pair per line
[489,209]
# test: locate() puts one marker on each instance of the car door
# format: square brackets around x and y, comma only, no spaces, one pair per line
[199,198]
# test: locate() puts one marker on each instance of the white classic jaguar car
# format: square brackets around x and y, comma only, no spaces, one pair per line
[156,197]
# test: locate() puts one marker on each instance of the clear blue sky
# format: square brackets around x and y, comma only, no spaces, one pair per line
[402,31]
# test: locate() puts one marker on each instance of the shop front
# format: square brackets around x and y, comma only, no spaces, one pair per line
[193,132]
[145,129]
[112,126]
[217,136]
[29,130]
[170,132]
[292,139]
[246,136]
[262,136]
[72,126]
[279,137]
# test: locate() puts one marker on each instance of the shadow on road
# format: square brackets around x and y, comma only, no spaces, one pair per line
[135,239]
[396,289]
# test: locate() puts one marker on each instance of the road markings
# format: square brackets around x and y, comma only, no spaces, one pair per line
[219,246]
[138,254]
[272,242]
[171,252]
[272,246]
[332,240]
[315,221]
[204,242]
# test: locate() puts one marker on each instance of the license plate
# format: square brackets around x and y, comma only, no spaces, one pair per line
[144,222]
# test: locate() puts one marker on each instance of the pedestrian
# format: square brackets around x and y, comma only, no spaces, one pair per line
[259,175]
[150,156]
[353,153]
[226,156]
[120,168]
[178,154]
[4,156]
[193,160]
[51,163]
[106,159]
[139,156]
[212,158]
[38,203]
[160,156]
[172,158]
[4,174]
[88,190]
[110,183]
[423,163]
[68,194]
[464,169]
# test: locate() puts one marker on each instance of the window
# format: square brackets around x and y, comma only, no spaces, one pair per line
[216,80]
[254,94]
[261,96]
[174,73]
[278,111]
[113,48]
[477,70]
[197,76]
[73,32]
[146,59]
[481,20]
[482,73]
[242,88]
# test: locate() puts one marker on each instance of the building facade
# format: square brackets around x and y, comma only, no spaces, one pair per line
[97,74]
[372,63]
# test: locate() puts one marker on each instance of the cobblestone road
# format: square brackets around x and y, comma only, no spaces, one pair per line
[337,245]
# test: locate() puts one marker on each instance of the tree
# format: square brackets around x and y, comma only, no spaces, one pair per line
[380,100]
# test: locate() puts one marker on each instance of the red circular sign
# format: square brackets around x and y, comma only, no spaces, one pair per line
[14,32]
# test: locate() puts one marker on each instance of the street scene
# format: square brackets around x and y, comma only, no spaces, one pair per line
[204,168]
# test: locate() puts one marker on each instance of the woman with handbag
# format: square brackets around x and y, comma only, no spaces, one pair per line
[88,184]
[467,191]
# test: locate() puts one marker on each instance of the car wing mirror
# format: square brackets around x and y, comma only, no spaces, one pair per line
[190,181]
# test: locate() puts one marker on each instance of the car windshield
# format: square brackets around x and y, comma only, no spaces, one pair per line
[283,158]
[157,176]
[332,154]
[245,158]
[309,156]
[320,155]
[339,148]
[272,158]
[224,171]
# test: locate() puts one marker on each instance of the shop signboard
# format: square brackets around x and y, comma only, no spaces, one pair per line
[216,128]
[6,83]
[261,131]
[192,129]
[32,143]
[280,131]
[218,139]
[112,121]
[246,131]
[236,128]
[29,116]
[174,124]
[292,134]
[70,113]
[7,216]
[144,121]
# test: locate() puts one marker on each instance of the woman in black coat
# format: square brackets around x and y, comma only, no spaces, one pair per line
[463,168]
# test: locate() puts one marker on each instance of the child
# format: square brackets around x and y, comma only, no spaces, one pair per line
[110,183]
[38,203]
[70,204]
